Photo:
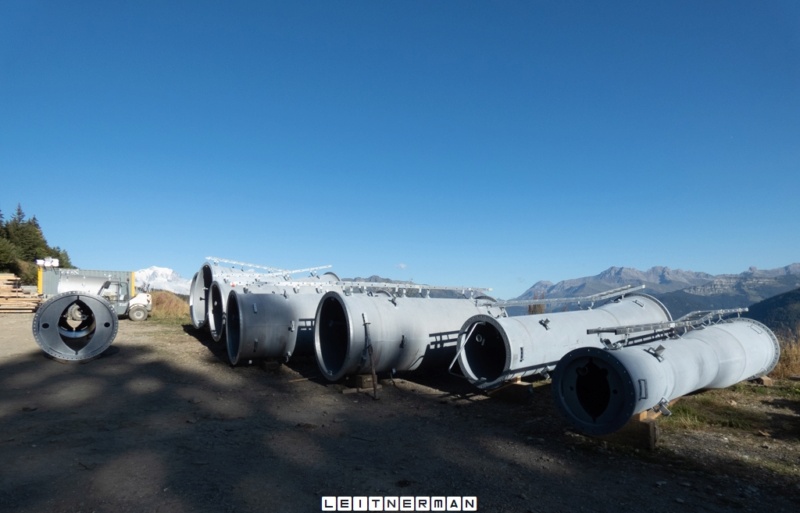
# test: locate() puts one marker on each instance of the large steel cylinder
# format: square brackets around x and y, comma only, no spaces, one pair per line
[75,326]
[217,296]
[256,334]
[202,308]
[600,389]
[495,350]
[401,331]
[198,292]
[270,325]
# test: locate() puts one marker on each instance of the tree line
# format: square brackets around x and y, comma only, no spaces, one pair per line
[22,243]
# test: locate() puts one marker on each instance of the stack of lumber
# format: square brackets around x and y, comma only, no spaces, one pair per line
[13,298]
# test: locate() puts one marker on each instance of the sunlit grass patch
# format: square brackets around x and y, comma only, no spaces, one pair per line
[789,363]
[169,307]
[715,408]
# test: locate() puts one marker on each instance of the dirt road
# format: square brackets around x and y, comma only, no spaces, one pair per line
[160,423]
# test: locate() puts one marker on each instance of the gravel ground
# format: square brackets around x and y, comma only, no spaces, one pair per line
[161,423]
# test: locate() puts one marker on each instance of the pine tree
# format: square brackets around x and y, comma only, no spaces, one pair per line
[22,242]
[63,257]
[9,254]
[19,215]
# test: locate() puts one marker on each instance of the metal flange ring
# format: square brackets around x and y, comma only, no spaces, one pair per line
[75,326]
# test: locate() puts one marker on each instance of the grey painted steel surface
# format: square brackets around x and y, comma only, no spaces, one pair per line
[402,331]
[495,350]
[198,299]
[56,280]
[267,320]
[212,316]
[600,389]
[208,296]
[85,284]
[199,293]
[217,296]
[75,326]
[270,325]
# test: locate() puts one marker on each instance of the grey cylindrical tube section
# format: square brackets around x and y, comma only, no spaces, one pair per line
[199,294]
[267,320]
[599,390]
[217,298]
[403,332]
[495,350]
[270,325]
[197,300]
[201,302]
[75,326]
[217,305]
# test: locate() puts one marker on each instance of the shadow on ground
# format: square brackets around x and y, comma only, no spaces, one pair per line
[165,424]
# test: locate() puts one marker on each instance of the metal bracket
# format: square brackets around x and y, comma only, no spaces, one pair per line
[611,345]
[662,408]
[367,343]
[691,320]
[656,351]
[461,348]
[609,294]
[368,350]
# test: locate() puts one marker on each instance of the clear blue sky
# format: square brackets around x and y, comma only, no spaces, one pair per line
[459,143]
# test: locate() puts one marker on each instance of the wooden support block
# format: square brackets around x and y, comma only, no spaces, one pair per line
[359,381]
[271,365]
[356,390]
[639,433]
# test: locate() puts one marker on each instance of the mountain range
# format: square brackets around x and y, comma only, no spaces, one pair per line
[680,291]
[780,313]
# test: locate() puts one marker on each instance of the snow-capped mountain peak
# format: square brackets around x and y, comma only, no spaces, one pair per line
[162,278]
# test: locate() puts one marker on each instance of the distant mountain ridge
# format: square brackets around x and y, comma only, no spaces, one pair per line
[657,279]
[780,313]
[680,291]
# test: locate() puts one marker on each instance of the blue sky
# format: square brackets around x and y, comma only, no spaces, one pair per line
[464,143]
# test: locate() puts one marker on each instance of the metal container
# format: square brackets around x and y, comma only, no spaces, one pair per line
[495,350]
[599,390]
[360,333]
[75,326]
[198,296]
[270,325]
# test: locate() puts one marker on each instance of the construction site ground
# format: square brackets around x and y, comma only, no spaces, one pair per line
[161,423]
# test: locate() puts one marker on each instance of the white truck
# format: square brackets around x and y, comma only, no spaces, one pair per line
[117,287]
